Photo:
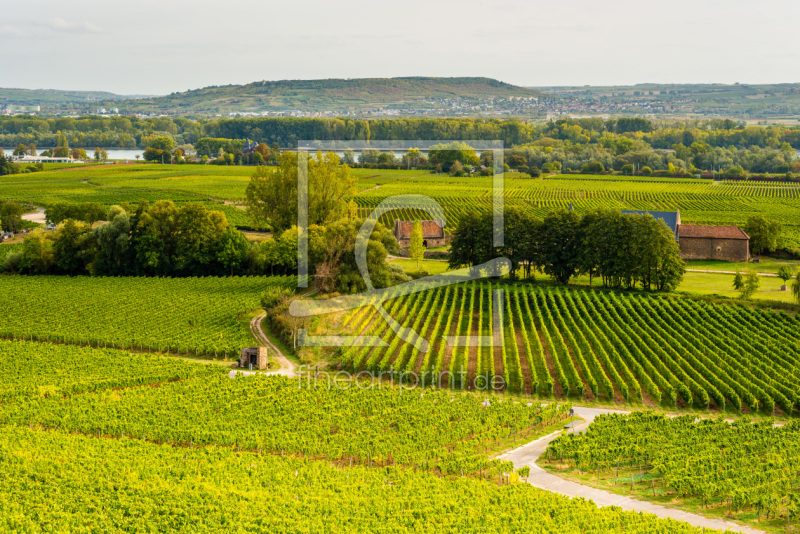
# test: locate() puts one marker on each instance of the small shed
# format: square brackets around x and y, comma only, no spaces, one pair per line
[253,358]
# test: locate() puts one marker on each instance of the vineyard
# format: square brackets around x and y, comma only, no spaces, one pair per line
[737,468]
[578,344]
[31,370]
[115,184]
[700,201]
[191,316]
[125,485]
[452,433]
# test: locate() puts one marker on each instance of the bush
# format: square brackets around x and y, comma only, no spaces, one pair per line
[593,167]
[11,263]
[275,296]
[647,171]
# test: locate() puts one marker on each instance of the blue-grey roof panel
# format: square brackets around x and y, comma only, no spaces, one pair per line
[670,218]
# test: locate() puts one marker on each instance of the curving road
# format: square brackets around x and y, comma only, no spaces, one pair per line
[287,366]
[528,454]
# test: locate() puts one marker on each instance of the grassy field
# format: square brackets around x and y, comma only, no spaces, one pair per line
[764,265]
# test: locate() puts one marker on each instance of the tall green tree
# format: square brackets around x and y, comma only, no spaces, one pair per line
[416,247]
[72,247]
[11,215]
[37,254]
[159,149]
[765,234]
[560,244]
[113,240]
[446,154]
[232,250]
[272,193]
[796,288]
[62,146]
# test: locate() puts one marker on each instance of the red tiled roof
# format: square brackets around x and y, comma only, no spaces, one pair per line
[711,232]
[430,229]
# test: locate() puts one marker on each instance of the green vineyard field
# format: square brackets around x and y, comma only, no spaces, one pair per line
[30,370]
[453,433]
[578,344]
[197,316]
[741,466]
[125,485]
[700,201]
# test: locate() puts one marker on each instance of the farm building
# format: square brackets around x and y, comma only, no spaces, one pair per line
[728,243]
[671,218]
[432,233]
[253,357]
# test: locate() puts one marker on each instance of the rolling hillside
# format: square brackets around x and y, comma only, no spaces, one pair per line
[335,95]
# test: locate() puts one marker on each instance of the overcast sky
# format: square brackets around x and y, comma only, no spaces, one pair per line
[158,47]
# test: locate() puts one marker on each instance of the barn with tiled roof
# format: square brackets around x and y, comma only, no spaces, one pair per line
[432,233]
[728,243]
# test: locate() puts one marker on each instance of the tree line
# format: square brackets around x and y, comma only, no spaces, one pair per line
[130,132]
[144,240]
[163,239]
[624,251]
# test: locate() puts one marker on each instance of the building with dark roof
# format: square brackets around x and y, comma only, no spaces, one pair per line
[696,242]
[729,243]
[249,147]
[671,218]
[432,233]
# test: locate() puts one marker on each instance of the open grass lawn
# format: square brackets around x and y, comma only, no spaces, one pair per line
[429,266]
[722,284]
[765,265]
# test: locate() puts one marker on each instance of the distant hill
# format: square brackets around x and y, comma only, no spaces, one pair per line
[340,96]
[55,99]
[749,102]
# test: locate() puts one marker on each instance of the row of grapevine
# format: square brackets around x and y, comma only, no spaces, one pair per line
[740,467]
[126,485]
[627,347]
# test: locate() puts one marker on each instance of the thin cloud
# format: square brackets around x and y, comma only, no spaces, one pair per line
[12,31]
[70,26]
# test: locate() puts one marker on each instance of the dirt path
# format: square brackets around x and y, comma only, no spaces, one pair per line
[709,271]
[37,216]
[287,366]
[393,257]
[539,478]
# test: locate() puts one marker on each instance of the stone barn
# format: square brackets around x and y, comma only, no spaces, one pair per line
[432,233]
[255,356]
[728,243]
